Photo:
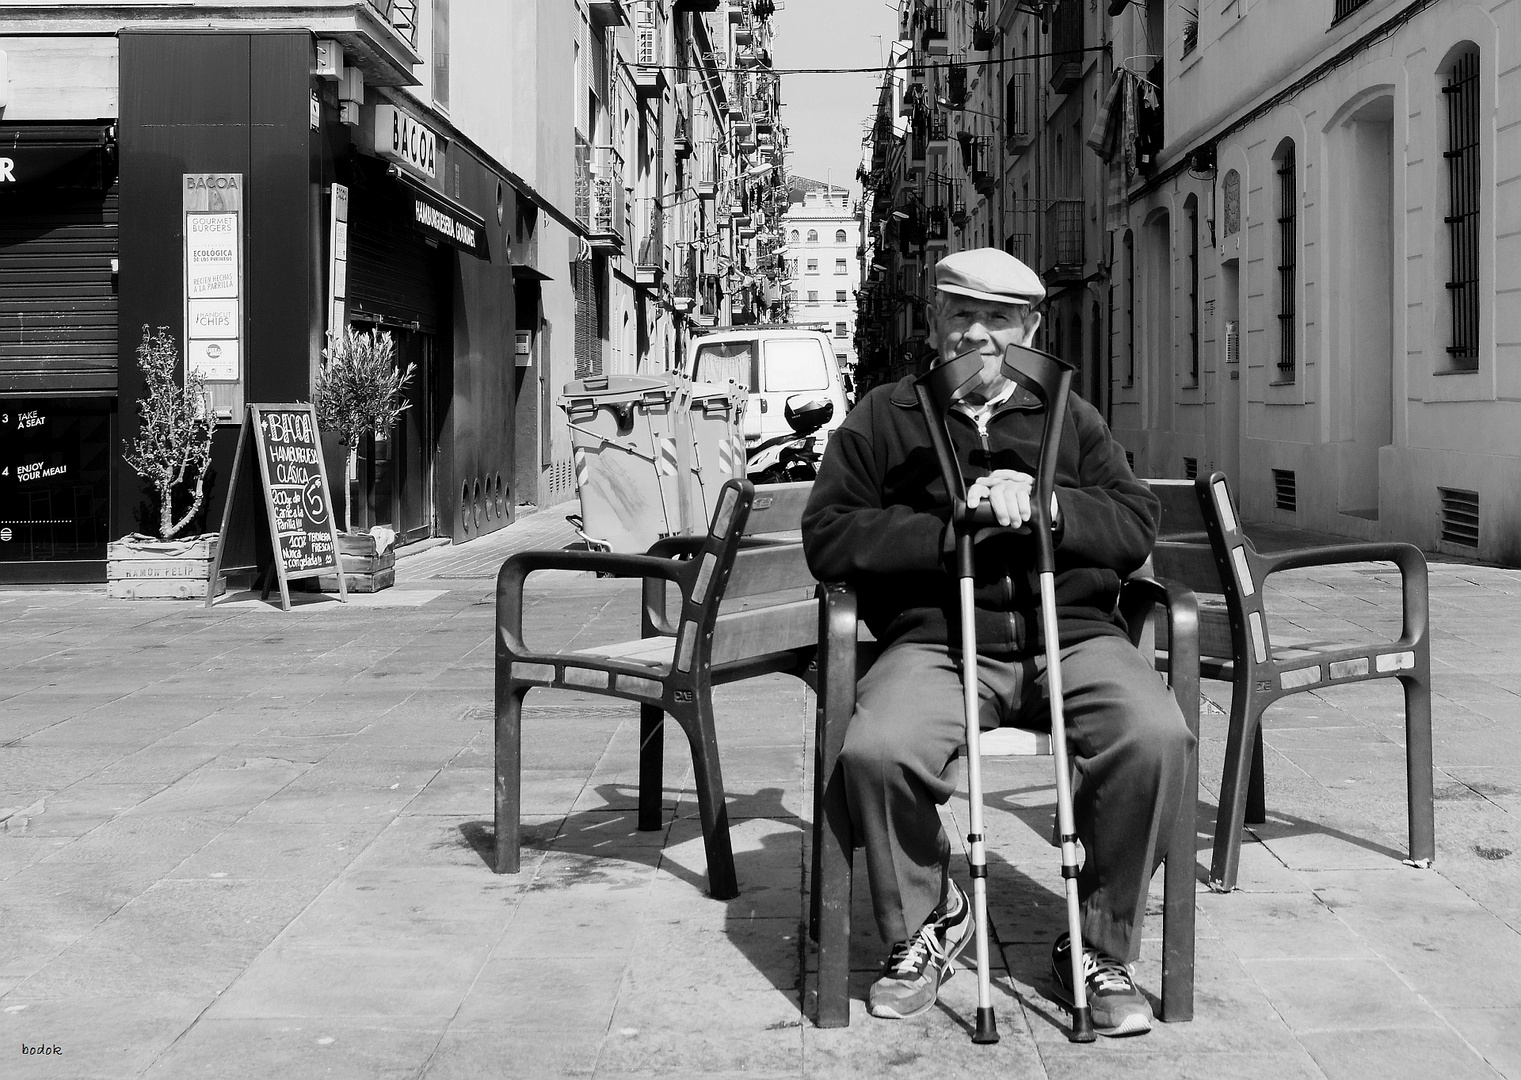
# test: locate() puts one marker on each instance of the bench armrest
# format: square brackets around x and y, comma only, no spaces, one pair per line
[1407,557]
[515,571]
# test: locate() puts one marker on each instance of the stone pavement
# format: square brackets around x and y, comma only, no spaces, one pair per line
[247,843]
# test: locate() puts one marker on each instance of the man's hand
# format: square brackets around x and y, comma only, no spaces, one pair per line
[1008,493]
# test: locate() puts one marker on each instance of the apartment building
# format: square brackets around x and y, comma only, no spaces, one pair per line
[823,230]
[519,193]
[1317,266]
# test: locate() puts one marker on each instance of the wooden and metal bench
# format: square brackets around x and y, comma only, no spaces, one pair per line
[1202,545]
[735,603]
[844,657]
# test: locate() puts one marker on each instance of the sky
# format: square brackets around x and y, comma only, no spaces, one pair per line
[826,115]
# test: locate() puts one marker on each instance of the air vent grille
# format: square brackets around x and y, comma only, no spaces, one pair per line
[1130,458]
[1460,516]
[1190,468]
[1285,491]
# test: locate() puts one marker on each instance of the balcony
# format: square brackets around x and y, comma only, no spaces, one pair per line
[1063,254]
[709,300]
[1066,46]
[649,264]
[649,79]
[609,201]
[939,131]
[605,13]
[1019,113]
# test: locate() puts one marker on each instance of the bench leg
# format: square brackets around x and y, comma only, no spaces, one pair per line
[833,917]
[1240,743]
[651,766]
[708,777]
[1418,767]
[509,776]
[1256,784]
[1178,903]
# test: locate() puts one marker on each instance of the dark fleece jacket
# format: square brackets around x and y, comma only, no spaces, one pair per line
[878,514]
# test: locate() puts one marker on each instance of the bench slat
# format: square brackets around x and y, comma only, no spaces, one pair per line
[765,630]
[766,570]
[1192,565]
[777,508]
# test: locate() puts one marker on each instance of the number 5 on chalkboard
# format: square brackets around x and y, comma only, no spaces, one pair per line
[297,536]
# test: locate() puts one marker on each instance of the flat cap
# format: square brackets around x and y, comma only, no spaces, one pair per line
[989,274]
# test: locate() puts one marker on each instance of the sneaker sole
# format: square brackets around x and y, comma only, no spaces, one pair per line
[1134,1024]
[887,1012]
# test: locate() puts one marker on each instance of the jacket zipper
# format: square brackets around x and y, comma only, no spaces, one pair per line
[981,423]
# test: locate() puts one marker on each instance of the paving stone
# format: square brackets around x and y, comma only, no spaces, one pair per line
[259,1049]
[1281,926]
[1340,995]
[101,1037]
[1395,1055]
[1494,1033]
[652,1031]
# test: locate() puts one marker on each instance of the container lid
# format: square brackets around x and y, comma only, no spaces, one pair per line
[623,387]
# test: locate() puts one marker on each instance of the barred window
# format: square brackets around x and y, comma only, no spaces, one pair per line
[1288,244]
[1191,212]
[1462,154]
[840,237]
[1129,308]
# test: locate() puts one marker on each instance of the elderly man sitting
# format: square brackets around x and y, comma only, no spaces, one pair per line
[879,518]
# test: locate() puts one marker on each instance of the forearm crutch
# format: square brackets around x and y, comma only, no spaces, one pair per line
[1050,380]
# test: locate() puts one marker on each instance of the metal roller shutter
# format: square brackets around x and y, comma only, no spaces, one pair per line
[393,271]
[58,292]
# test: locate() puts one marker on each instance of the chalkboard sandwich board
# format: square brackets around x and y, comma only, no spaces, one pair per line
[297,536]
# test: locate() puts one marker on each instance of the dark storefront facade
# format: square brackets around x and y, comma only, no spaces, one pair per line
[236,131]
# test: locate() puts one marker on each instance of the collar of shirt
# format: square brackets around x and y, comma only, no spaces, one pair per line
[980,413]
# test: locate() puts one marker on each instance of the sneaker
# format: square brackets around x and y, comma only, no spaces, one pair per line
[911,978]
[1117,1006]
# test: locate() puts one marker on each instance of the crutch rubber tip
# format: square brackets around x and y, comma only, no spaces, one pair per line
[987,1027]
[1082,1026]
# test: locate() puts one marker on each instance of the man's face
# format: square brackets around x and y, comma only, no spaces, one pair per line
[964,322]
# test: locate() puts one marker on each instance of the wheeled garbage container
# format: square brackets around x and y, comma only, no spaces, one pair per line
[625,451]
[713,421]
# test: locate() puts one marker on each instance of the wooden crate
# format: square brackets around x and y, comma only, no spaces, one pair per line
[364,569]
[148,569]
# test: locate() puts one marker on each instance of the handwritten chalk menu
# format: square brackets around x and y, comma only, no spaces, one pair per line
[213,209]
[302,534]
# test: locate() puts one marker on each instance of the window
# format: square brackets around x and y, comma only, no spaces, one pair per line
[839,266]
[841,329]
[440,77]
[722,362]
[813,296]
[792,236]
[1191,214]
[795,365]
[839,296]
[1462,94]
[840,237]
[1129,308]
[813,266]
[813,236]
[1288,242]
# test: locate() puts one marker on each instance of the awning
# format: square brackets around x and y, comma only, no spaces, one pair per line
[54,157]
[441,218]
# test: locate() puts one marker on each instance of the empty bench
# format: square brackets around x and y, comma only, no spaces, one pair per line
[735,603]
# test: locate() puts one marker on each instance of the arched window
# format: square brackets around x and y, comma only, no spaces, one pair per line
[1191,216]
[1232,197]
[813,236]
[1461,90]
[839,237]
[1288,255]
[792,236]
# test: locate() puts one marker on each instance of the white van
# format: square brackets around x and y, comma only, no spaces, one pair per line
[772,365]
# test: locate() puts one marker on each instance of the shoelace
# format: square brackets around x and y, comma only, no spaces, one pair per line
[908,956]
[1105,972]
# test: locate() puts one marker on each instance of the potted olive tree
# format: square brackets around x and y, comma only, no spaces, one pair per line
[172,452]
[360,391]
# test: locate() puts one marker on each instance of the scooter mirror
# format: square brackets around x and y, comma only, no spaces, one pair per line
[806,414]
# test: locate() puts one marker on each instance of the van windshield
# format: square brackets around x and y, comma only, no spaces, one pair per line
[726,361]
[795,364]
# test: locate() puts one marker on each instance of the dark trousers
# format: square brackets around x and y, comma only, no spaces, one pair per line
[1129,744]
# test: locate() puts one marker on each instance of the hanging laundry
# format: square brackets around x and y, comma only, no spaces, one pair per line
[1104,138]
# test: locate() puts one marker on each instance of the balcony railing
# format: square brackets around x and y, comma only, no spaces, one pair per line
[401,15]
[1067,46]
[609,199]
[1064,239]
[650,262]
[1346,7]
[1019,112]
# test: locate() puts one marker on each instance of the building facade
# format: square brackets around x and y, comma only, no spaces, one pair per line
[823,231]
[1276,238]
[519,194]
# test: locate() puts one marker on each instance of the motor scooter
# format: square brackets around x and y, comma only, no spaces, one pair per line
[791,458]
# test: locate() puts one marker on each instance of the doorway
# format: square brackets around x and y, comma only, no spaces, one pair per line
[1366,259]
[396,472]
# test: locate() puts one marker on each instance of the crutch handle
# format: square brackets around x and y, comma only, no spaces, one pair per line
[1050,380]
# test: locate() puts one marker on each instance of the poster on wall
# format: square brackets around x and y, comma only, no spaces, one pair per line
[213,210]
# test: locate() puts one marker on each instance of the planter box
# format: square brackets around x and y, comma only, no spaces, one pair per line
[142,568]
[365,570]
